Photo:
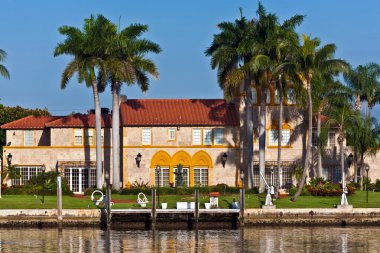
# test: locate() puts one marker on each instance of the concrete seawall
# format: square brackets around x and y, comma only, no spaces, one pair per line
[253,217]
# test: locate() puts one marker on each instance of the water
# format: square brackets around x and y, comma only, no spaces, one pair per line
[263,239]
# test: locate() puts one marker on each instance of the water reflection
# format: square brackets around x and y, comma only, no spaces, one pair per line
[264,239]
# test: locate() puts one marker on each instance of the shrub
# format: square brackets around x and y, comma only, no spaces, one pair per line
[322,187]
[167,190]
[377,185]
[293,190]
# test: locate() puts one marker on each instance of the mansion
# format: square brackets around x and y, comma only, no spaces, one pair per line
[203,135]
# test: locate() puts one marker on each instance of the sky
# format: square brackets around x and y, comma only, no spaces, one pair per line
[183,29]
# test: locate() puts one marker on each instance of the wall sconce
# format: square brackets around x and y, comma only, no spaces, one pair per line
[9,159]
[138,160]
[178,128]
[224,159]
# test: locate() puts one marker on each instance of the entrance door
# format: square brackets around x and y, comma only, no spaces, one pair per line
[80,179]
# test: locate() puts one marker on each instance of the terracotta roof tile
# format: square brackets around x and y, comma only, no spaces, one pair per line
[80,120]
[30,122]
[177,112]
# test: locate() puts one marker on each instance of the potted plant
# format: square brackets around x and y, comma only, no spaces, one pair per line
[164,204]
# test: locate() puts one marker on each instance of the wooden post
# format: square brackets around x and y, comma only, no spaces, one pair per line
[108,204]
[59,200]
[242,205]
[154,211]
[196,205]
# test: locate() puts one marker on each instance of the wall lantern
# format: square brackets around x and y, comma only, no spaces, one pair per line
[9,159]
[224,159]
[138,160]
[350,159]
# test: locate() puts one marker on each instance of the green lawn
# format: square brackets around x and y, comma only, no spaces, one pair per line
[129,201]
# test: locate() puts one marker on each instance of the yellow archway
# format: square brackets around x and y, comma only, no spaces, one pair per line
[181,157]
[161,158]
[201,158]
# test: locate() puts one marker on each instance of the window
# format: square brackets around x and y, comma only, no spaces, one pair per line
[268,96]
[89,137]
[146,136]
[331,139]
[79,179]
[185,176]
[171,134]
[164,177]
[197,136]
[291,96]
[26,173]
[200,176]
[28,138]
[276,97]
[273,137]
[207,136]
[254,95]
[218,136]
[325,173]
[78,136]
[314,139]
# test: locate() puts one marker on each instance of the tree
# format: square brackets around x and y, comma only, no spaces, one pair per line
[126,62]
[364,138]
[229,50]
[342,116]
[363,80]
[87,46]
[3,70]
[310,58]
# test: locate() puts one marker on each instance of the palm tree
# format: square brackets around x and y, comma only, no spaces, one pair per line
[229,50]
[342,116]
[364,138]
[310,58]
[3,70]
[87,48]
[363,80]
[126,62]
[326,91]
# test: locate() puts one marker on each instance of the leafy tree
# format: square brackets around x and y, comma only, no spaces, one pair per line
[87,46]
[3,70]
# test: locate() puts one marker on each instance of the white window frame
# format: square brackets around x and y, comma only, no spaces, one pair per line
[172,134]
[218,136]
[276,97]
[273,140]
[164,177]
[197,136]
[28,138]
[78,133]
[27,173]
[201,176]
[207,136]
[186,180]
[254,95]
[291,96]
[146,136]
[332,136]
[89,136]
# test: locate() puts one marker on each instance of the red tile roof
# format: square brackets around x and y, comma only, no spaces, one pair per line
[30,122]
[177,112]
[80,120]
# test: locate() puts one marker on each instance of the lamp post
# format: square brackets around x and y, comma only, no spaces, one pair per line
[43,183]
[242,197]
[366,185]
[242,177]
[158,172]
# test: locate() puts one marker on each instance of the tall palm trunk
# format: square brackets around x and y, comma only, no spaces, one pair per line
[262,136]
[249,125]
[306,166]
[280,120]
[98,130]
[355,163]
[340,141]
[319,155]
[358,102]
[116,135]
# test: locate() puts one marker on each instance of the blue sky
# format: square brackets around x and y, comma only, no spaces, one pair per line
[184,29]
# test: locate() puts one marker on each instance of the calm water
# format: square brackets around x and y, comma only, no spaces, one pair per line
[268,239]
